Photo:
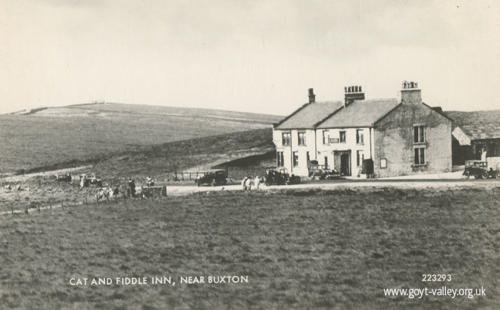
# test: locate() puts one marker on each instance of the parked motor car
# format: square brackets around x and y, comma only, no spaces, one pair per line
[86,180]
[476,168]
[293,179]
[275,177]
[63,177]
[280,177]
[213,177]
[95,180]
[332,174]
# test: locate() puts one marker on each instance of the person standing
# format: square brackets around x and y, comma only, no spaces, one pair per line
[131,185]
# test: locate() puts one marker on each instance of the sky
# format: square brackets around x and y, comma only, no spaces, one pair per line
[255,56]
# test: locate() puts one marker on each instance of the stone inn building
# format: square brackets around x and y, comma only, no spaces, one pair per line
[401,137]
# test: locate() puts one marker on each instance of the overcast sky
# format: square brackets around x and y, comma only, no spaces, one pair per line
[257,56]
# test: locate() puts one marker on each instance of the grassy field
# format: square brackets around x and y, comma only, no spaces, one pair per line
[74,135]
[300,249]
[158,161]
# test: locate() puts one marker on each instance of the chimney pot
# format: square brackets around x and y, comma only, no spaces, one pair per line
[411,94]
[312,96]
[353,93]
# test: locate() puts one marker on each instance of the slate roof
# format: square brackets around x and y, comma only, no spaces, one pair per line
[309,115]
[360,113]
[478,124]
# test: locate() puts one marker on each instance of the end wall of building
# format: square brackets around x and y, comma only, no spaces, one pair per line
[394,141]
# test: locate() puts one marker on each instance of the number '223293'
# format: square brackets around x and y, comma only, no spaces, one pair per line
[427,277]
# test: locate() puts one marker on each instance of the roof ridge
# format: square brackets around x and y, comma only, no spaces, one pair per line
[328,116]
[292,114]
[377,99]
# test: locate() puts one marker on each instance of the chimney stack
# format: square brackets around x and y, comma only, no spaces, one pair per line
[353,93]
[410,93]
[312,96]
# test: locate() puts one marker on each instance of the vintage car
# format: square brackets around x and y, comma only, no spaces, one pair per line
[320,172]
[213,177]
[63,177]
[86,180]
[476,168]
[280,177]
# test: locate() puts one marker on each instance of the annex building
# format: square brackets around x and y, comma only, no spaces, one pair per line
[476,136]
[402,137]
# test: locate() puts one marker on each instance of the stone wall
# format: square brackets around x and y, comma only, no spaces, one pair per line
[394,141]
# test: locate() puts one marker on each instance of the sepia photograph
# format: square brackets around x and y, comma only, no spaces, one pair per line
[249,154]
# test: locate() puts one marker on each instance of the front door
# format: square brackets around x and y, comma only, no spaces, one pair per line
[342,161]
[345,164]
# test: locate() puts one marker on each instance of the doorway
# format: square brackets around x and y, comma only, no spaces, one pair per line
[343,162]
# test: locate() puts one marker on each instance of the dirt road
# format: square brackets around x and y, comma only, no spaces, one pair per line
[328,185]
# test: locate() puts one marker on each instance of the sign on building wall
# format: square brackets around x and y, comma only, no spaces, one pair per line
[333,140]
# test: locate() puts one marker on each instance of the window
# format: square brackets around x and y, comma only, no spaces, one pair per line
[418,134]
[360,156]
[493,149]
[295,159]
[325,136]
[285,138]
[359,136]
[326,162]
[302,138]
[419,156]
[280,160]
[307,157]
[342,136]
[383,163]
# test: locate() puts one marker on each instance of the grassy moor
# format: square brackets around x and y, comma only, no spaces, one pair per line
[299,248]
[67,136]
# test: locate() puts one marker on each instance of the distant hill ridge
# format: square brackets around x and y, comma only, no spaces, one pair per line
[109,108]
[49,136]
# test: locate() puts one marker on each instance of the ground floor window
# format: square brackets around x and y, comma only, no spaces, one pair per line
[295,159]
[280,159]
[326,162]
[419,156]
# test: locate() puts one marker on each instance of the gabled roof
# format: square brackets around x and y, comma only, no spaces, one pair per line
[360,113]
[309,115]
[478,124]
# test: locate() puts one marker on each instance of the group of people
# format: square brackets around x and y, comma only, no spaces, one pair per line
[248,183]
[132,188]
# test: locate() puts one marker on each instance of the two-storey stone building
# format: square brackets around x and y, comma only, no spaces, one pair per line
[401,137]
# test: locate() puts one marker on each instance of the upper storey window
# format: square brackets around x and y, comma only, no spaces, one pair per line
[302,138]
[285,138]
[418,134]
